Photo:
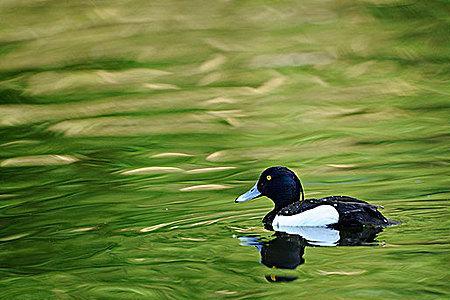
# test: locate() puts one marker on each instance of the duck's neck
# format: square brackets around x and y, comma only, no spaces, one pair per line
[287,196]
[286,199]
[291,192]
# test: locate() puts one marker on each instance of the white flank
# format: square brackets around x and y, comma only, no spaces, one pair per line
[319,216]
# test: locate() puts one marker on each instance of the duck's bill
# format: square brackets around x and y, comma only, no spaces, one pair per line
[251,194]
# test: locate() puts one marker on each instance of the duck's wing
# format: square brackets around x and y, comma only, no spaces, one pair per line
[347,199]
[355,212]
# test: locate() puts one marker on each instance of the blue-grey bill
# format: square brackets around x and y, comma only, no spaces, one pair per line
[251,194]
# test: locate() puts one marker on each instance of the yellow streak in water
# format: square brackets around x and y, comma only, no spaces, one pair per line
[127,126]
[161,86]
[342,166]
[215,156]
[171,154]
[291,59]
[20,142]
[152,170]
[193,239]
[220,100]
[206,170]
[83,229]
[359,272]
[213,63]
[205,187]
[270,85]
[38,160]
[210,78]
[44,83]
[155,227]
[13,237]
[226,292]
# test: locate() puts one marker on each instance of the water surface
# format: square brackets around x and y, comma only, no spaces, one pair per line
[127,128]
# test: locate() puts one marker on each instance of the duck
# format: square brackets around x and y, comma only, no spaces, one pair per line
[291,209]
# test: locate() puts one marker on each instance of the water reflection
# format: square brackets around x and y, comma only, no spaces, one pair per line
[285,250]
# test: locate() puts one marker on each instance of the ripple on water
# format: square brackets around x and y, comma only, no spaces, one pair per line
[156,227]
[83,229]
[135,126]
[14,237]
[171,154]
[205,187]
[152,170]
[342,273]
[207,170]
[38,160]
[203,220]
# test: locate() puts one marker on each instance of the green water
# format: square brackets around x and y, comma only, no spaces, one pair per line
[127,128]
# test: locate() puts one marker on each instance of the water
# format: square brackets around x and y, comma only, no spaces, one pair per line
[128,128]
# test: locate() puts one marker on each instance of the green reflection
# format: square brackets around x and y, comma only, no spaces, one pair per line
[128,127]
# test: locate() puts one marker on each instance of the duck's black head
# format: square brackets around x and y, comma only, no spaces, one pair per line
[279,184]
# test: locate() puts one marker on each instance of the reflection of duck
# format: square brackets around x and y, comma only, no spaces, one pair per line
[283,187]
[286,250]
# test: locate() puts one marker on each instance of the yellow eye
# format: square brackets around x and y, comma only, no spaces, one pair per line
[268,177]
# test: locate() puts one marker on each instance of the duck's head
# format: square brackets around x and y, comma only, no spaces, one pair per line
[279,184]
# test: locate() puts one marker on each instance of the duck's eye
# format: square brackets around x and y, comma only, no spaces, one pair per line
[268,177]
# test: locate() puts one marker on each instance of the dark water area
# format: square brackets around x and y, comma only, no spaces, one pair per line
[128,128]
